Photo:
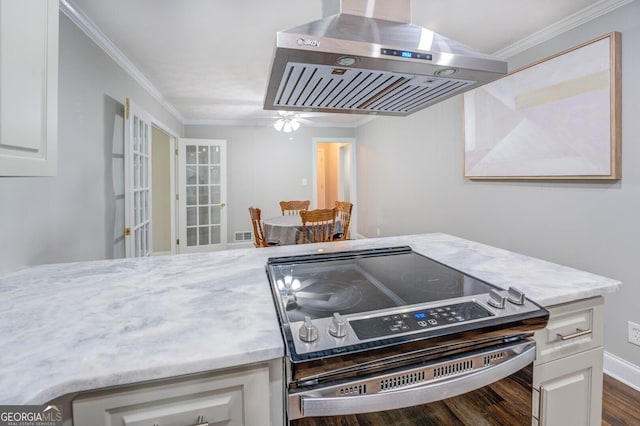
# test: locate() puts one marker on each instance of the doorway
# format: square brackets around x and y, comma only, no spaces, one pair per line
[188,211]
[334,174]
[162,188]
[145,187]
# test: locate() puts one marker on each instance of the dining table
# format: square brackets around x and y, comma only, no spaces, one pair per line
[287,229]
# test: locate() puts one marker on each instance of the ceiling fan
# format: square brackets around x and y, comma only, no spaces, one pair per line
[288,121]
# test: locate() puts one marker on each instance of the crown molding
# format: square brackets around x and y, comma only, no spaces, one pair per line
[86,25]
[267,123]
[581,17]
[229,123]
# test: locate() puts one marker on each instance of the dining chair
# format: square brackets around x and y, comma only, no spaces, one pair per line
[294,206]
[259,239]
[343,213]
[317,225]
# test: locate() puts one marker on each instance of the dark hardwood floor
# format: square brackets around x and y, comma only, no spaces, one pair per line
[620,404]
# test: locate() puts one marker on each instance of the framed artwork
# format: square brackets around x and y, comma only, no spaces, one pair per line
[556,119]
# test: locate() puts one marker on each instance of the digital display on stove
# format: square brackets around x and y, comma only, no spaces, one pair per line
[383,326]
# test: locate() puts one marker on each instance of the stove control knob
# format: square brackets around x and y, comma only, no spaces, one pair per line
[496,299]
[308,332]
[515,296]
[338,327]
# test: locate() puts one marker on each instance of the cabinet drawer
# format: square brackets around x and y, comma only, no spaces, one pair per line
[230,398]
[568,391]
[572,328]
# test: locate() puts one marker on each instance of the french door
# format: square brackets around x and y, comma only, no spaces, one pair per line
[137,179]
[202,191]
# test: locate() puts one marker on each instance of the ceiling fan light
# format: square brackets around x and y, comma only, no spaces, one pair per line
[287,122]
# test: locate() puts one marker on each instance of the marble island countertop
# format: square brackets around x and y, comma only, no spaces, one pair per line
[73,327]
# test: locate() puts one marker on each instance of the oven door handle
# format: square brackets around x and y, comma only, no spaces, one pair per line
[336,406]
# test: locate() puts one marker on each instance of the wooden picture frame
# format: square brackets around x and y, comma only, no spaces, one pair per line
[559,118]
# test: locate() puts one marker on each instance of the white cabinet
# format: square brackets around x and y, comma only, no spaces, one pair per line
[229,397]
[28,87]
[569,391]
[567,373]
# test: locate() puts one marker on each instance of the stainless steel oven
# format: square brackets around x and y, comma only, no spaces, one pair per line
[389,336]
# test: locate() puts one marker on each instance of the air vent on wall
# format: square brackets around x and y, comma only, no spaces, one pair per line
[242,236]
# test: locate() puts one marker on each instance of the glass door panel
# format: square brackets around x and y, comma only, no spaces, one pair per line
[137,182]
[202,191]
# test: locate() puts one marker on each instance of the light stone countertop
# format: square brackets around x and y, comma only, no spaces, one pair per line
[72,327]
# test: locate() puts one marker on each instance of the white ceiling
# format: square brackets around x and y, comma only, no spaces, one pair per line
[208,60]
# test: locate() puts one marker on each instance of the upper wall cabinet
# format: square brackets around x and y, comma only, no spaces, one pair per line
[28,87]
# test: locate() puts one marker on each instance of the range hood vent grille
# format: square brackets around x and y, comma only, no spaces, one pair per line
[327,88]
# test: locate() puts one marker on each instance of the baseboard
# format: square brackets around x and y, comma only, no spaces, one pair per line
[239,244]
[622,370]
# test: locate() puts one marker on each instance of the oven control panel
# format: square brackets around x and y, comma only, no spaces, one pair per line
[383,326]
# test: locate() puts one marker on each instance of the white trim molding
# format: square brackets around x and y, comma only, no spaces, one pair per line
[583,16]
[269,123]
[86,25]
[622,370]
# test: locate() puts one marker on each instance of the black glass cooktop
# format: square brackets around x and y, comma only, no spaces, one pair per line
[362,281]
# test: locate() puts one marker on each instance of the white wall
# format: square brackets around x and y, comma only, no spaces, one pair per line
[73,216]
[265,167]
[590,226]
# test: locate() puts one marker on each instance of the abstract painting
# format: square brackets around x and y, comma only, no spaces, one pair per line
[556,119]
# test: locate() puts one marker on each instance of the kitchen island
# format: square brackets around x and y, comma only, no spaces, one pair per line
[71,328]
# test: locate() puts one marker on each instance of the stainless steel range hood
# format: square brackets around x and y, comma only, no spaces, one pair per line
[369,59]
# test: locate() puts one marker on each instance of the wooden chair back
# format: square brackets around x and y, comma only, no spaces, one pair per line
[317,225]
[258,233]
[294,206]
[343,212]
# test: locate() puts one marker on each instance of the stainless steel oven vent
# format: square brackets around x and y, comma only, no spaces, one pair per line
[359,389]
[491,359]
[402,380]
[453,368]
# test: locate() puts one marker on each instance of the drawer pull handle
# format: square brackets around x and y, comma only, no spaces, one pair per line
[541,403]
[578,333]
[201,422]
